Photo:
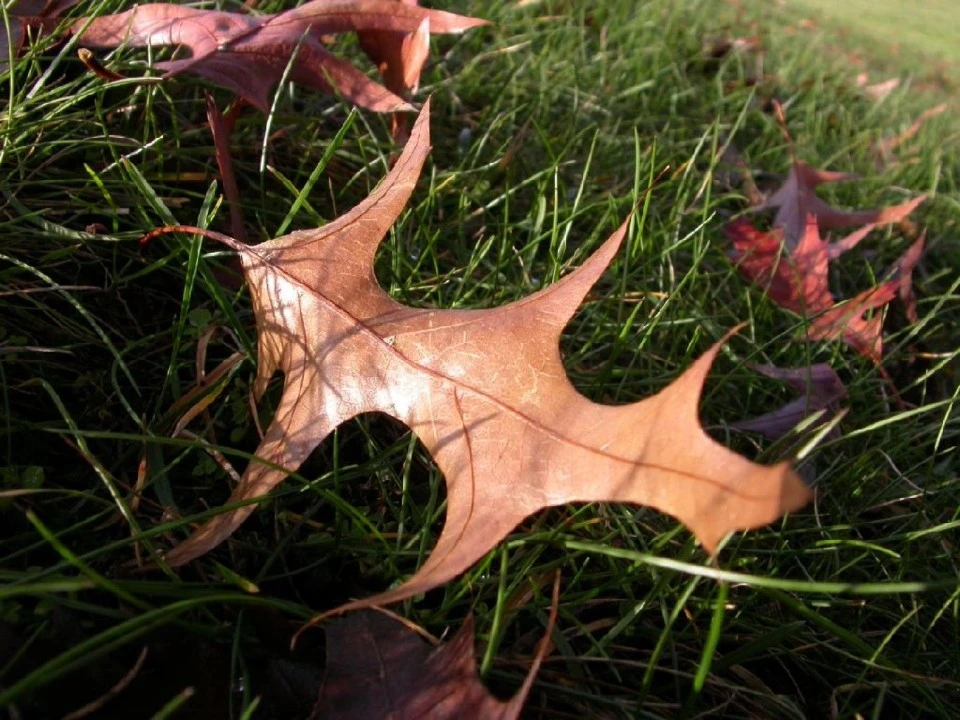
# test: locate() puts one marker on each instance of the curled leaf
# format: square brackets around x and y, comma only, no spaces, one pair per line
[250,54]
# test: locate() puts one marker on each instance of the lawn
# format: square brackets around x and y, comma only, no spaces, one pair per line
[548,128]
[925,29]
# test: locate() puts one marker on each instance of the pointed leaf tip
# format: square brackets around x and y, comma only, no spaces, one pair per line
[556,304]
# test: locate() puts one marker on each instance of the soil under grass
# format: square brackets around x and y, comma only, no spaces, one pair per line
[547,129]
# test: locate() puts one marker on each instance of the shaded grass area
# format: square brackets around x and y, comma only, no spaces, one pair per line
[547,129]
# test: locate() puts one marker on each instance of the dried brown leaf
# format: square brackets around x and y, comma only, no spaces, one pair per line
[876,91]
[485,391]
[904,273]
[884,149]
[399,58]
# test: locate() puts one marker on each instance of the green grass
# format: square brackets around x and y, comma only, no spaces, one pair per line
[847,609]
[913,41]
[926,28]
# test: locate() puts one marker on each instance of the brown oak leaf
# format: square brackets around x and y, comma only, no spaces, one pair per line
[485,391]
[878,91]
[250,54]
[884,149]
[903,271]
[399,56]
[379,668]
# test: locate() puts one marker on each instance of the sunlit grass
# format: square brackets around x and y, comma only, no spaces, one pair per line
[548,128]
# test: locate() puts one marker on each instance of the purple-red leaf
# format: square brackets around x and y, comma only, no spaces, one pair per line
[819,387]
[799,281]
[379,668]
[797,199]
[22,15]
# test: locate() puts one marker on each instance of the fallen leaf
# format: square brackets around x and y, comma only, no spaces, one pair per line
[904,273]
[791,261]
[820,389]
[485,391]
[378,667]
[796,199]
[876,91]
[250,54]
[24,15]
[848,321]
[799,281]
[884,149]
[718,47]
[796,280]
[399,58]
